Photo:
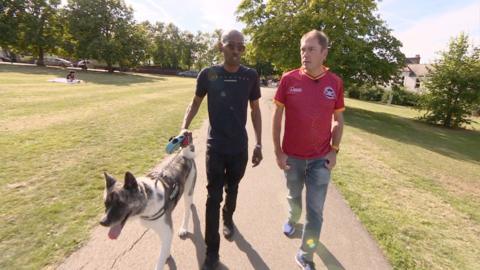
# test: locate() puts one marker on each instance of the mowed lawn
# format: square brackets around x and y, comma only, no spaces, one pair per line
[57,139]
[416,187]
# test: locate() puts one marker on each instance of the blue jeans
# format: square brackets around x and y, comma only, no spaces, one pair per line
[315,176]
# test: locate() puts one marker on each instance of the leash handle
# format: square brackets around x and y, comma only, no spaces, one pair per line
[174,144]
[182,140]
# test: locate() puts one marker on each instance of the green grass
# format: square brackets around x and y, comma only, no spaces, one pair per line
[416,187]
[55,142]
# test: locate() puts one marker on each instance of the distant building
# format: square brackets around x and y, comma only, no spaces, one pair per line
[413,60]
[414,73]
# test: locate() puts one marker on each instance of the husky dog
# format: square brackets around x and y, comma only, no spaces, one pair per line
[152,198]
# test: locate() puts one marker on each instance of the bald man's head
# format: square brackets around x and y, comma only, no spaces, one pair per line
[232,35]
[232,46]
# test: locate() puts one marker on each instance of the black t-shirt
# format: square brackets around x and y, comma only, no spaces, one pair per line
[228,97]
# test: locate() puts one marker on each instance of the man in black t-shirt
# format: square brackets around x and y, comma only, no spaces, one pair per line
[230,87]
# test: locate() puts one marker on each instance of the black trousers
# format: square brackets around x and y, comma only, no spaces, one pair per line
[223,170]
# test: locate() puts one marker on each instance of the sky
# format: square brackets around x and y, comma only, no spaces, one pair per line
[424,27]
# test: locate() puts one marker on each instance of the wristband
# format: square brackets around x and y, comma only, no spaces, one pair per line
[336,148]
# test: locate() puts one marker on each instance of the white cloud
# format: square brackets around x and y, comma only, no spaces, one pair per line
[432,34]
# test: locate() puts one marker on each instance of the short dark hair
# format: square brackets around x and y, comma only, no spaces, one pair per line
[229,34]
[319,35]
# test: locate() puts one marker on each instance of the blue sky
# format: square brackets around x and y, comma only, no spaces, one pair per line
[424,26]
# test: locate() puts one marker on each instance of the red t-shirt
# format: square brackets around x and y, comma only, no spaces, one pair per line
[309,105]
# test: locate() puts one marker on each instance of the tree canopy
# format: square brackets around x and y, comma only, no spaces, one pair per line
[362,48]
[10,12]
[31,25]
[104,30]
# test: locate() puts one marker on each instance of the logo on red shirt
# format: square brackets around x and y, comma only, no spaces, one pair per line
[329,92]
[295,90]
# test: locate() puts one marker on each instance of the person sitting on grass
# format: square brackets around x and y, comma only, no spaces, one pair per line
[71,76]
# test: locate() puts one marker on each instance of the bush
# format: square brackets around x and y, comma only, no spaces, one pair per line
[353,92]
[403,97]
[365,92]
[476,111]
[373,93]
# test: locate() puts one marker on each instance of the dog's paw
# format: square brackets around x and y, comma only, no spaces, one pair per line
[183,233]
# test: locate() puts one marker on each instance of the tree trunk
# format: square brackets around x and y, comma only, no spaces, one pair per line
[448,119]
[40,61]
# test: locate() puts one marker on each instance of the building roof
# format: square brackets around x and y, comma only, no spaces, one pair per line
[413,60]
[420,70]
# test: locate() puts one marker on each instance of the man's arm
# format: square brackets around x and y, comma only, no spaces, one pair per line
[191,111]
[276,130]
[337,133]
[256,120]
[257,126]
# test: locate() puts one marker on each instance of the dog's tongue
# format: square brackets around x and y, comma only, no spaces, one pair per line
[115,231]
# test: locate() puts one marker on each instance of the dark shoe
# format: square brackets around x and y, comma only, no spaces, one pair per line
[303,263]
[210,263]
[228,230]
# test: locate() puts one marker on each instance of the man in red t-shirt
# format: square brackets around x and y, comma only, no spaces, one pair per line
[310,96]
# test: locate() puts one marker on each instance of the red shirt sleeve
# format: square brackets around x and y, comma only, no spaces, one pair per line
[280,96]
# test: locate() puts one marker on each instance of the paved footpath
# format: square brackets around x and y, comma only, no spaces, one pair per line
[258,242]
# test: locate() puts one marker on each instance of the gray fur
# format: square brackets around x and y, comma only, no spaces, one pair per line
[148,191]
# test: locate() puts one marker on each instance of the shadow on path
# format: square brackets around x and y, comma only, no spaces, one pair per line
[255,260]
[197,237]
[171,263]
[328,259]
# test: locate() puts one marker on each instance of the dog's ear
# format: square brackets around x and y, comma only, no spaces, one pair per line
[130,181]
[109,180]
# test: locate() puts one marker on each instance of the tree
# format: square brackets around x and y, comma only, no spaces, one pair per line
[10,12]
[453,87]
[35,26]
[167,41]
[207,52]
[262,66]
[134,45]
[202,41]
[103,30]
[362,49]
[188,49]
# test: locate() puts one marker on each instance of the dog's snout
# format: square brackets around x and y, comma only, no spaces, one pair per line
[105,221]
